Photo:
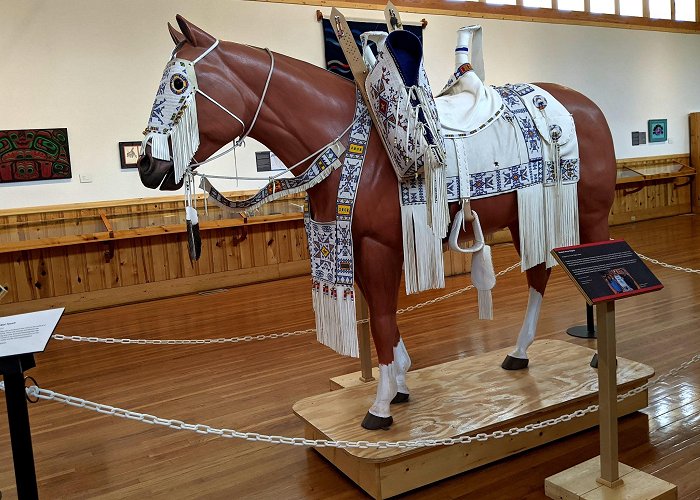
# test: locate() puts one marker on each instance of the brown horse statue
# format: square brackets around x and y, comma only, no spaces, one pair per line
[307,107]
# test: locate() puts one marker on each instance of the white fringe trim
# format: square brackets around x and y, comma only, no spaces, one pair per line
[485,304]
[436,185]
[561,217]
[160,149]
[531,220]
[484,279]
[336,320]
[185,137]
[548,217]
[424,268]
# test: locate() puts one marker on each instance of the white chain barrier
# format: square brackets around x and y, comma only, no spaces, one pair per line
[48,395]
[251,338]
[669,266]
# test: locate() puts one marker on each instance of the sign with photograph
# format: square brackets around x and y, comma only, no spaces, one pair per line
[608,270]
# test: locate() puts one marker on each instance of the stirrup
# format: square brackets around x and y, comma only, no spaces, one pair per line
[476,227]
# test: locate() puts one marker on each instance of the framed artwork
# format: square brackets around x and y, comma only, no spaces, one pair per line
[658,130]
[34,155]
[129,153]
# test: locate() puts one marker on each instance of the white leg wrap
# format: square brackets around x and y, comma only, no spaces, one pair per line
[529,328]
[386,390]
[403,363]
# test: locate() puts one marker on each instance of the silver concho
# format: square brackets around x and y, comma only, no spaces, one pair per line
[540,102]
[555,132]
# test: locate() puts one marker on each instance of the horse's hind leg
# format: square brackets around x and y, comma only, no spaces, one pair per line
[403,362]
[537,278]
[379,276]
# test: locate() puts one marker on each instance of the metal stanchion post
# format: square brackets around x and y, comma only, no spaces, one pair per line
[12,369]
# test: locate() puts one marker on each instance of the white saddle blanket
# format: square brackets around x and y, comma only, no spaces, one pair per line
[500,139]
[467,106]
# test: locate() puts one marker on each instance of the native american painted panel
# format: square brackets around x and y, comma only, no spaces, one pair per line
[34,155]
[335,59]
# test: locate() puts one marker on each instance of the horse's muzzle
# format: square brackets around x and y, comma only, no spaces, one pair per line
[157,173]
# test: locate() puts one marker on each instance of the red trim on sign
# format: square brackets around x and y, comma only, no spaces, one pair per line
[627,294]
[584,245]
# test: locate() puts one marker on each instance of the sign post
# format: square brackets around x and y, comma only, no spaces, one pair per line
[605,272]
[20,337]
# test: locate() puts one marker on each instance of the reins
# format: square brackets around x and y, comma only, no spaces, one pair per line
[244,133]
[241,139]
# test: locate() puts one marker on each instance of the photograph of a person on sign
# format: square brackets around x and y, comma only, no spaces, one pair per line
[620,281]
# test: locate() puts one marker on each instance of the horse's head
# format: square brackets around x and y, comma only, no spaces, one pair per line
[177,133]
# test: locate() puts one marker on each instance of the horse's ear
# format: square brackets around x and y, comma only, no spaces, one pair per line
[193,34]
[175,35]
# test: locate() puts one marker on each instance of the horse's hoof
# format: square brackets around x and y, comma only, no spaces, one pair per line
[400,397]
[511,363]
[373,422]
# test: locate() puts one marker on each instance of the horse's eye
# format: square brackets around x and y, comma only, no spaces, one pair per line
[178,84]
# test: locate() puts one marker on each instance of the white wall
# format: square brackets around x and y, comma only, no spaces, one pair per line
[93,67]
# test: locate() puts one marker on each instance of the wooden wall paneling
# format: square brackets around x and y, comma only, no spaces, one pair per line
[5,230]
[111,267]
[189,267]
[256,234]
[41,273]
[231,247]
[20,222]
[694,119]
[283,236]
[7,278]
[146,262]
[139,261]
[94,270]
[271,243]
[77,266]
[447,262]
[54,223]
[22,276]
[159,258]
[300,247]
[123,255]
[205,262]
[459,265]
[218,251]
[173,256]
[245,247]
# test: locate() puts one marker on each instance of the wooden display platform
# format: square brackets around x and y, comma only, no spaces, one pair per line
[580,483]
[464,397]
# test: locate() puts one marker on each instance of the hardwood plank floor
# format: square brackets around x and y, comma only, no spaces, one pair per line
[252,387]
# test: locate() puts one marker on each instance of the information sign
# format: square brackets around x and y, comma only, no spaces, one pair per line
[27,333]
[608,270]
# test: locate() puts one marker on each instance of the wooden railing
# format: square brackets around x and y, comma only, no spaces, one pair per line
[95,255]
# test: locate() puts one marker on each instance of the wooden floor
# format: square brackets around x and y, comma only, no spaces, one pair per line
[252,387]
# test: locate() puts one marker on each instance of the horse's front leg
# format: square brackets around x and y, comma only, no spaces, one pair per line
[537,278]
[378,270]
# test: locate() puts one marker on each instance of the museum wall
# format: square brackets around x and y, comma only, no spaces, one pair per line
[93,68]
